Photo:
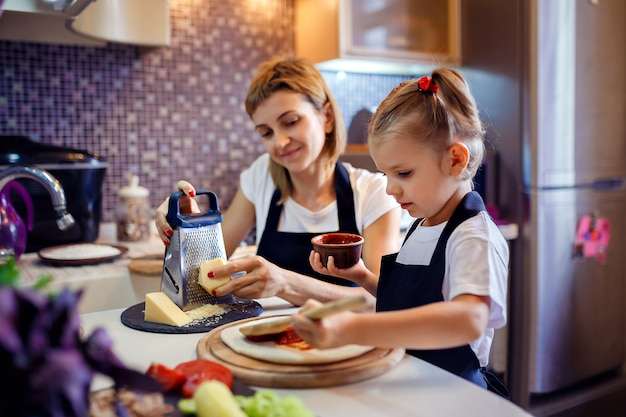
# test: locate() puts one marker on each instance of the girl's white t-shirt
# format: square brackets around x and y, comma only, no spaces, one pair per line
[370,201]
[477,260]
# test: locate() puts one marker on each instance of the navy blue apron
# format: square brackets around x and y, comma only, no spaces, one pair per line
[407,286]
[291,250]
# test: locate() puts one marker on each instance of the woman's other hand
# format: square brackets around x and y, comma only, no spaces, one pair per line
[186,204]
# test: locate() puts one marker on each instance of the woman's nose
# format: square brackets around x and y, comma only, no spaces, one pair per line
[282,139]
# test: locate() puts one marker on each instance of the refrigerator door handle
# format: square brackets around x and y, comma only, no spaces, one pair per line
[608,184]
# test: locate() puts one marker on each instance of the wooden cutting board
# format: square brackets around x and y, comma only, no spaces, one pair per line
[272,375]
[147,265]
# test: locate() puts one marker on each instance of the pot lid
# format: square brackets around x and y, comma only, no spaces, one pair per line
[24,151]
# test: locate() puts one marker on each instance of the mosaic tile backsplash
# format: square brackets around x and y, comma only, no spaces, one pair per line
[166,113]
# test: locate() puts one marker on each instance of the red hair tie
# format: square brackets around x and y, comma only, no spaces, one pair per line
[426,84]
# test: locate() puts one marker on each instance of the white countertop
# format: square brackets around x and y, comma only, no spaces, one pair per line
[106,285]
[412,388]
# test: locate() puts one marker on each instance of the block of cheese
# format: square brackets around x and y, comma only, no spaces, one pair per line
[209,284]
[160,309]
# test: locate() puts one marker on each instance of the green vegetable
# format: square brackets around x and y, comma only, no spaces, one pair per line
[214,399]
[9,274]
[187,406]
[267,403]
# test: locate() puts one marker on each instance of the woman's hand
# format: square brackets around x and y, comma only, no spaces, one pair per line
[261,279]
[186,204]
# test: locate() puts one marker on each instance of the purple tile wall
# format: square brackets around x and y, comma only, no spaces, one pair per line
[166,113]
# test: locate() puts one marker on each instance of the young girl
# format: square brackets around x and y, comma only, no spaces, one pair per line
[297,189]
[444,293]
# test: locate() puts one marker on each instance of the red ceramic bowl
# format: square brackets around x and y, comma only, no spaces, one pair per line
[345,248]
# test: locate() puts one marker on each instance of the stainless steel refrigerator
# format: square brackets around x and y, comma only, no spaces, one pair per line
[550,78]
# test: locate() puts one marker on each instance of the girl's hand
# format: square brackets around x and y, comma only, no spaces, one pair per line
[186,204]
[357,273]
[324,333]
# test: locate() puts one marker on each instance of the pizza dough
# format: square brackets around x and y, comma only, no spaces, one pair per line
[272,352]
[81,251]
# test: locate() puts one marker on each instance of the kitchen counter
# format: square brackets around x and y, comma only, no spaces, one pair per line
[105,286]
[412,388]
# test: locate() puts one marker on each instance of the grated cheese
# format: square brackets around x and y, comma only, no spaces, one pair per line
[204,312]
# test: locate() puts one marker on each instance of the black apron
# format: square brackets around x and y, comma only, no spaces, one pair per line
[407,286]
[291,250]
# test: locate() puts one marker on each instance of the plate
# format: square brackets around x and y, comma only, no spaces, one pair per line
[260,373]
[238,309]
[81,254]
[172,398]
[270,351]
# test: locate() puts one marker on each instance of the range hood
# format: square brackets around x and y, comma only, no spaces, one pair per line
[86,22]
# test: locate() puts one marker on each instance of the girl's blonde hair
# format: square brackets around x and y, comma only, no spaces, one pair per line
[436,119]
[299,76]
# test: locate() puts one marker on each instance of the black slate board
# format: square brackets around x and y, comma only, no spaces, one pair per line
[237,309]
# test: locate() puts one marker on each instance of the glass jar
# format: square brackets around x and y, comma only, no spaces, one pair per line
[133,212]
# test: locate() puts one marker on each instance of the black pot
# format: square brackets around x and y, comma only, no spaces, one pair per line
[81,175]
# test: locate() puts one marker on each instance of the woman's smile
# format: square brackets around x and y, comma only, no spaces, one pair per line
[289,154]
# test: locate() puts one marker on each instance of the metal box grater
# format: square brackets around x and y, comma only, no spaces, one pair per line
[197,238]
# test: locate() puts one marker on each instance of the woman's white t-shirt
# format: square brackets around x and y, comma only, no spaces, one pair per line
[477,260]
[370,201]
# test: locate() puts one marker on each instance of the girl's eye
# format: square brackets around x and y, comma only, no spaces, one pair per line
[404,173]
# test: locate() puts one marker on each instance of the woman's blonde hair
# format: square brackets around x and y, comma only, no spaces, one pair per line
[435,118]
[299,76]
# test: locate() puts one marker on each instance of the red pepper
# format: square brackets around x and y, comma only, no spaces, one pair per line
[200,370]
[168,377]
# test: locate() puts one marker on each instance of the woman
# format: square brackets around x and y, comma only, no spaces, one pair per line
[297,189]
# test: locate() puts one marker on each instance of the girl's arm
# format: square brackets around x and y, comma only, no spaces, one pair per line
[434,326]
[381,238]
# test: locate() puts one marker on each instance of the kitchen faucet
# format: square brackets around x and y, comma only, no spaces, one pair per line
[51,184]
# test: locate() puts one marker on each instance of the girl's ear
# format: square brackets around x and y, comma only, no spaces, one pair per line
[459,158]
[329,118]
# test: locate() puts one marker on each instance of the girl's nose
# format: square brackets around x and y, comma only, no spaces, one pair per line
[392,189]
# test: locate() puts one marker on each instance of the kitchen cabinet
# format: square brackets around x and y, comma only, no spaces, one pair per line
[378,36]
[86,22]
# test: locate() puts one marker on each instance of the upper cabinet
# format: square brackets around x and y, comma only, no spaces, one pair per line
[138,22]
[379,36]
[86,22]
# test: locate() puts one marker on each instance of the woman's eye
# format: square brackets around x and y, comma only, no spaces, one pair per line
[265,134]
[291,122]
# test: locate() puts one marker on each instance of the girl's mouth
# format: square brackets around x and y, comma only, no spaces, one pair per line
[405,206]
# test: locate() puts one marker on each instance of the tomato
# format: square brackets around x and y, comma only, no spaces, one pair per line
[200,370]
[168,377]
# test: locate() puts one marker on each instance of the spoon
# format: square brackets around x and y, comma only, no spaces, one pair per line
[279,324]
